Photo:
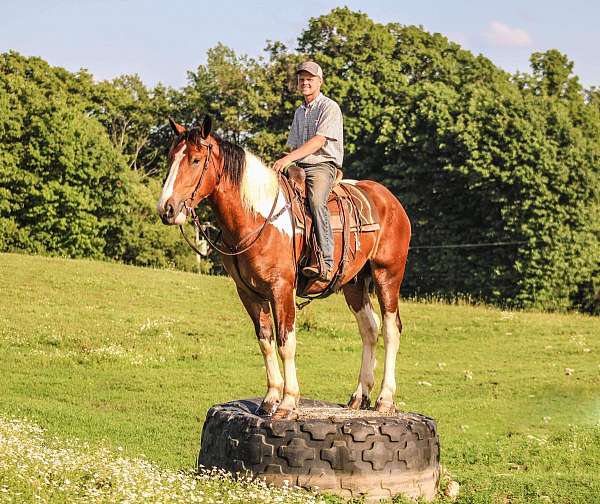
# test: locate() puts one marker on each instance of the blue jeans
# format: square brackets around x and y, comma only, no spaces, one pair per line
[319,181]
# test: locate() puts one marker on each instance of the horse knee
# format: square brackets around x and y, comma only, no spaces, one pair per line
[367,325]
[264,332]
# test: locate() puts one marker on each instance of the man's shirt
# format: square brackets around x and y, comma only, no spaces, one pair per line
[321,117]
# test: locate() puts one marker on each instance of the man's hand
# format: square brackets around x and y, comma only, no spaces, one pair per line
[280,164]
[310,147]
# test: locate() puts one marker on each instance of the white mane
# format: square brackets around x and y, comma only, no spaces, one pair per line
[259,185]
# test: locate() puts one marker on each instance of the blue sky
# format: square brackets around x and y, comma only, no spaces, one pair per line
[161,40]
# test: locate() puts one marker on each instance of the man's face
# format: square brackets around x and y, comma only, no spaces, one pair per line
[308,84]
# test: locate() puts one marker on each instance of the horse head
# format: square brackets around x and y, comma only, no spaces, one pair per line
[190,178]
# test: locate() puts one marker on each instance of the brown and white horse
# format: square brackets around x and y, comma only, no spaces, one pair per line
[241,191]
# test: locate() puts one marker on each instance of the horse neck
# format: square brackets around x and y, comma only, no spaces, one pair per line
[226,205]
[241,206]
[232,217]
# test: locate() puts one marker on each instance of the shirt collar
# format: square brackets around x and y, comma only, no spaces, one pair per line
[312,103]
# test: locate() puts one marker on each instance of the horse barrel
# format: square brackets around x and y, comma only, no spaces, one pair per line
[353,454]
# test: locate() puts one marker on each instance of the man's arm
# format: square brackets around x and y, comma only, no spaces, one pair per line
[310,147]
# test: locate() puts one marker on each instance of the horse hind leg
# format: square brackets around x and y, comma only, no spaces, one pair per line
[387,286]
[261,317]
[357,298]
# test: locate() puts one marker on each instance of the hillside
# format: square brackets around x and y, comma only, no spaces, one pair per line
[132,358]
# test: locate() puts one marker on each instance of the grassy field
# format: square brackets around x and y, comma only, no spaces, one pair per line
[116,363]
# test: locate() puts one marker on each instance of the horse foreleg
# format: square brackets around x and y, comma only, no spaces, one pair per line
[261,316]
[274,378]
[284,311]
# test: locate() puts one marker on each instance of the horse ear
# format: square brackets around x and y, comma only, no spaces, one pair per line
[206,126]
[178,129]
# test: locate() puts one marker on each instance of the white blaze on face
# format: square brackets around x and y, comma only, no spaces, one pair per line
[167,191]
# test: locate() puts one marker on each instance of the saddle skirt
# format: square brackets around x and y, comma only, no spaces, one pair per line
[347,205]
[351,213]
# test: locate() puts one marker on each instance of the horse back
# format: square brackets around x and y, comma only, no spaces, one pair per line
[392,217]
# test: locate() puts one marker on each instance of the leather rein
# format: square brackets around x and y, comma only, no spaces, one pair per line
[235,249]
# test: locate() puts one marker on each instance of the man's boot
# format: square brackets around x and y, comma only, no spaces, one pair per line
[316,267]
[313,271]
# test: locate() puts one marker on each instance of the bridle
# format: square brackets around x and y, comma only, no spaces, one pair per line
[235,249]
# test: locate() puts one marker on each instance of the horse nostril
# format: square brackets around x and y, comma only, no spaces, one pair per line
[169,211]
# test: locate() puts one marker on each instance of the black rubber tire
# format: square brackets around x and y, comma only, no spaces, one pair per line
[373,456]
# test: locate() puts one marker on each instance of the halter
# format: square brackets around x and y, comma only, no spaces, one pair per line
[189,207]
[195,219]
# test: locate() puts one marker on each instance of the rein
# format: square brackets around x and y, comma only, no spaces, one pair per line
[235,250]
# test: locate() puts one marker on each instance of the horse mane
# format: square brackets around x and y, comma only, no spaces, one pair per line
[234,160]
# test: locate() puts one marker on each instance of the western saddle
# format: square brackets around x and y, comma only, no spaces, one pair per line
[351,213]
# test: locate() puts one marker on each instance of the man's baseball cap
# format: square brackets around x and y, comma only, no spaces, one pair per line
[311,67]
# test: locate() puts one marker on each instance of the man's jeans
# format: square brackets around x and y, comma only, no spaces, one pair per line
[319,181]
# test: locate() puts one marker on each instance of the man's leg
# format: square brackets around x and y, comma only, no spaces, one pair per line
[319,181]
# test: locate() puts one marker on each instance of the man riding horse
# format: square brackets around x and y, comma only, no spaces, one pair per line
[317,140]
[259,249]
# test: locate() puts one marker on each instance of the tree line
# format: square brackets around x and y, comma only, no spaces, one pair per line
[499,172]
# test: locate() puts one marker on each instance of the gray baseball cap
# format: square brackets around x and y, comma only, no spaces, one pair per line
[311,67]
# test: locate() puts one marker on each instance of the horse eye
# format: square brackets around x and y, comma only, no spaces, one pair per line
[195,161]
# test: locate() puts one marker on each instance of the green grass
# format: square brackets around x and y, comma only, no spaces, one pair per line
[123,357]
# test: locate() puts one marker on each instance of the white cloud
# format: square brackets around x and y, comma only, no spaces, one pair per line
[499,34]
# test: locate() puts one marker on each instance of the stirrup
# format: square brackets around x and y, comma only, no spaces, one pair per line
[311,271]
[326,275]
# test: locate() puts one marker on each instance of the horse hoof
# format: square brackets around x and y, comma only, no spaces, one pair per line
[267,409]
[385,407]
[364,403]
[353,403]
[285,414]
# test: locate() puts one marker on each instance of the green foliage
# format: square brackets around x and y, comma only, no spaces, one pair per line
[476,155]
[135,119]
[61,182]
[74,158]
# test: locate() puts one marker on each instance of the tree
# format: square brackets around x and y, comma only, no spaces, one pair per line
[475,156]
[553,75]
[61,183]
[68,153]
[134,118]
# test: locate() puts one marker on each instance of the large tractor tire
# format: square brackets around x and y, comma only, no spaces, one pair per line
[344,452]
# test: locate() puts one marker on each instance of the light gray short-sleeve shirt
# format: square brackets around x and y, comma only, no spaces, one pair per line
[321,117]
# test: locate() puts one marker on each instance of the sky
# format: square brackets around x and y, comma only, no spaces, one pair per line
[162,40]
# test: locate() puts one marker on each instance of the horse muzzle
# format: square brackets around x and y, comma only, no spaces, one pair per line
[172,215]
